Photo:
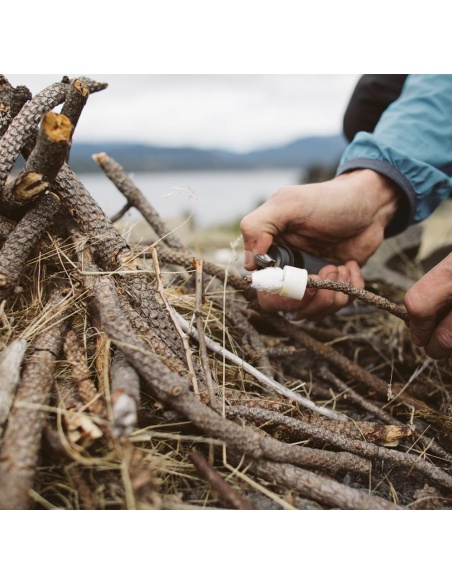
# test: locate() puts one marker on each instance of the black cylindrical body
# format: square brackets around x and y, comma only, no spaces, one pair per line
[288,256]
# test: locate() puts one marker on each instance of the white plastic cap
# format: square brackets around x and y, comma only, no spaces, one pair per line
[289,281]
[295,280]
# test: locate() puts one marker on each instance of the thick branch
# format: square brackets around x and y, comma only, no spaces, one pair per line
[21,241]
[44,162]
[321,489]
[82,375]
[22,439]
[118,328]
[12,100]
[21,94]
[157,338]
[24,125]
[6,227]
[151,337]
[112,253]
[75,101]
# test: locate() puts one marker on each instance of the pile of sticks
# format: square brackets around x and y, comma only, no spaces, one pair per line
[149,378]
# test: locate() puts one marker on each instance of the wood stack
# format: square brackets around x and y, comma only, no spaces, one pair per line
[125,385]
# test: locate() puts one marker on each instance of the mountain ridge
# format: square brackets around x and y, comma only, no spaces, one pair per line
[135,157]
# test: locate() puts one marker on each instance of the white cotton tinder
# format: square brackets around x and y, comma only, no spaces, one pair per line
[289,281]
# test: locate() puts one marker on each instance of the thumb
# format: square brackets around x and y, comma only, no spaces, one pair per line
[255,241]
[428,299]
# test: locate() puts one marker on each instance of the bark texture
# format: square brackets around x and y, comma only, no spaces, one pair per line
[124,387]
[22,440]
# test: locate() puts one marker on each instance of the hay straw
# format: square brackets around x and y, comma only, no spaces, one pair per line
[286,393]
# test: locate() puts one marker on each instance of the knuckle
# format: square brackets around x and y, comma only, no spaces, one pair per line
[245,224]
[278,194]
[413,303]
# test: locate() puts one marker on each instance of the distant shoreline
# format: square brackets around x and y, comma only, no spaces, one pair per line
[137,157]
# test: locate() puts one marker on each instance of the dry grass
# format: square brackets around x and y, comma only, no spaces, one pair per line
[83,467]
[341,414]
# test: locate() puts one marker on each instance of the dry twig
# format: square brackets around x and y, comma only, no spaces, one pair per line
[224,490]
[135,198]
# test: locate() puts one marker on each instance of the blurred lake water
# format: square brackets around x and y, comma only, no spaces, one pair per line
[211,198]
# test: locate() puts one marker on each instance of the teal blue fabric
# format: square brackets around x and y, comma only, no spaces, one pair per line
[412,145]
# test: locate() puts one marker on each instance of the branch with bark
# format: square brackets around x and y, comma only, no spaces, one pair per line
[105,413]
[50,152]
[22,439]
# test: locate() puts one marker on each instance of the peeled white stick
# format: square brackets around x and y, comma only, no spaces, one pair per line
[288,281]
[270,384]
[10,361]
[125,395]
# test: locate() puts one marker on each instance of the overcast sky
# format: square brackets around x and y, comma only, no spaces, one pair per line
[238,112]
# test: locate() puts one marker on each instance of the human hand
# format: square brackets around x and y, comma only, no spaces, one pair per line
[316,303]
[429,306]
[343,218]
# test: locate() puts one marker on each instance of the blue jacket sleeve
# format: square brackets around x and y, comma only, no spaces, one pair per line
[411,145]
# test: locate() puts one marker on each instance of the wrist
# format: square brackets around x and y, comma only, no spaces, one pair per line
[380,195]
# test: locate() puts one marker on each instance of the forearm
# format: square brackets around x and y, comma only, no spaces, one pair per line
[412,146]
